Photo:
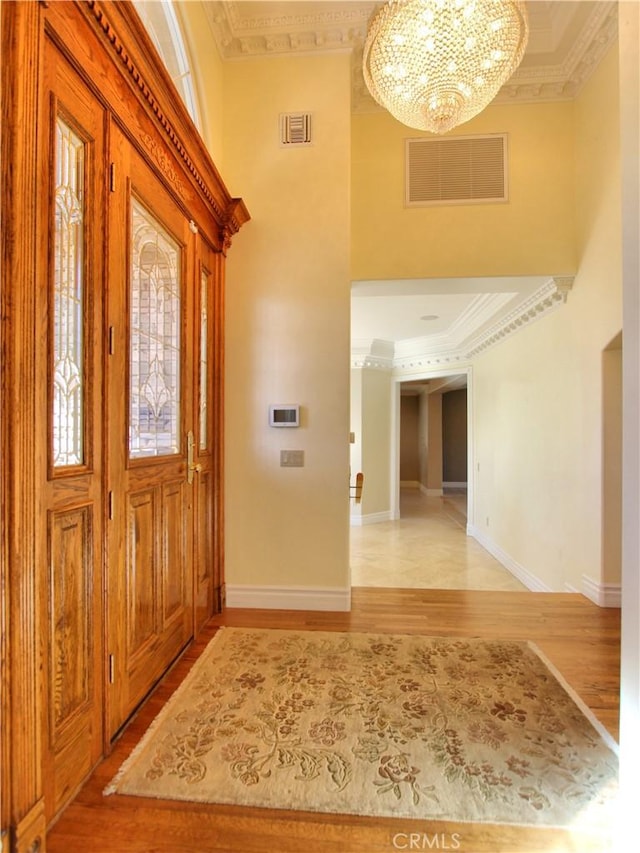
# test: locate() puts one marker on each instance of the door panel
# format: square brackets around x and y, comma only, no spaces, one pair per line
[174,551]
[152,378]
[140,577]
[68,438]
[70,600]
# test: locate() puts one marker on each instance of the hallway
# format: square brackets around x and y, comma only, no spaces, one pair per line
[427,548]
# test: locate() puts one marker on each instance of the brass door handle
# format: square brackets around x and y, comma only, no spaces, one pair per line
[192,467]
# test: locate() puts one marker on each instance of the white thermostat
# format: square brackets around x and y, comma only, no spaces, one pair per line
[284,416]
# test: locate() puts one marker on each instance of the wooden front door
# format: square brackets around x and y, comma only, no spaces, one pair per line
[68,432]
[109,560]
[152,376]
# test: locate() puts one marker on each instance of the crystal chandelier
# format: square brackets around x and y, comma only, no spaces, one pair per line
[434,64]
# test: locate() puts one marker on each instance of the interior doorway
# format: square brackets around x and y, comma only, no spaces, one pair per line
[433,438]
[422,542]
[433,453]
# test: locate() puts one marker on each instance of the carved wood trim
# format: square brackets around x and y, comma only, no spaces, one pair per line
[161,158]
[228,213]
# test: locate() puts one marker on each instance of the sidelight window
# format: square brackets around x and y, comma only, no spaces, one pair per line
[204,364]
[68,298]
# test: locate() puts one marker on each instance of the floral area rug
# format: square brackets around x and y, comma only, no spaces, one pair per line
[377,724]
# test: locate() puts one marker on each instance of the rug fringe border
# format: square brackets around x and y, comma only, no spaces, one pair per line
[112,787]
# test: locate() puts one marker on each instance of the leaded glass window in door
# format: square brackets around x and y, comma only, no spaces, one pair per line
[154,355]
[204,360]
[68,299]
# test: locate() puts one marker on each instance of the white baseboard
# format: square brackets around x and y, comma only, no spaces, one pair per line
[523,575]
[288,598]
[430,493]
[602,594]
[370,518]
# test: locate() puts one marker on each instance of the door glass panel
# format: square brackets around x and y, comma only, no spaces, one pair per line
[68,297]
[154,356]
[204,350]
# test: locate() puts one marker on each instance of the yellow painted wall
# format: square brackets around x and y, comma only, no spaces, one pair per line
[531,234]
[612,462]
[355,447]
[287,323]
[538,395]
[376,439]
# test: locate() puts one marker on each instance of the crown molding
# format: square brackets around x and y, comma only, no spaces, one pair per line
[322,29]
[564,81]
[478,312]
[110,20]
[373,353]
[423,353]
[546,299]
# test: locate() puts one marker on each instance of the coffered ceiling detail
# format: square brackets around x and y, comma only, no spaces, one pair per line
[567,40]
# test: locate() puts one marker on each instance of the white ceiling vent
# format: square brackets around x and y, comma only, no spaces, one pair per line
[456,170]
[295,129]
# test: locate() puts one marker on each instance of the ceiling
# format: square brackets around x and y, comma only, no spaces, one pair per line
[566,41]
[392,321]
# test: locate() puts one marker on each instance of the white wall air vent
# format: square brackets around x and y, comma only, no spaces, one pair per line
[456,170]
[295,129]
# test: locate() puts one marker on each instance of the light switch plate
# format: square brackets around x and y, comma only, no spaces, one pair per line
[292,458]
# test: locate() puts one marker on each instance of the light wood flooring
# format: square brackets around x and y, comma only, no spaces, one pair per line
[581,640]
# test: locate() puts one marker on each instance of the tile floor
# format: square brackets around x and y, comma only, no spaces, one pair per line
[427,548]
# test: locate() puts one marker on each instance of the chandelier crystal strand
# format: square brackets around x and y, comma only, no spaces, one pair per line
[434,64]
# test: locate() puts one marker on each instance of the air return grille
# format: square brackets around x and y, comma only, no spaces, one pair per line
[457,170]
[295,129]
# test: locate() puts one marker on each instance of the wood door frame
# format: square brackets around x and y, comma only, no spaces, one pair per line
[109,47]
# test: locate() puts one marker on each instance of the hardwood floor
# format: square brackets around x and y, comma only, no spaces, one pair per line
[579,638]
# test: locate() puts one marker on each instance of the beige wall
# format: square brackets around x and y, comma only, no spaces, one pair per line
[612,462]
[287,324]
[376,440]
[538,395]
[532,234]
[355,447]
[538,415]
